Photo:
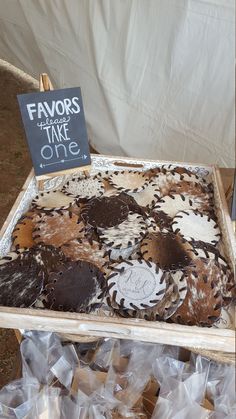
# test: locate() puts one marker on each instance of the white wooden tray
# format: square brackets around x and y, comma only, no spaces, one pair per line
[96,325]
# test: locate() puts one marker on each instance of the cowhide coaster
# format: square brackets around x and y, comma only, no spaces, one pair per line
[203,302]
[77,287]
[12,255]
[167,250]
[94,252]
[52,200]
[193,225]
[128,233]
[22,233]
[149,196]
[48,258]
[84,189]
[184,174]
[172,204]
[162,220]
[129,181]
[174,296]
[132,204]
[21,283]
[135,285]
[58,228]
[105,212]
[122,254]
[164,179]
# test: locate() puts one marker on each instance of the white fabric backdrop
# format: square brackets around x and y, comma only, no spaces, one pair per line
[157,76]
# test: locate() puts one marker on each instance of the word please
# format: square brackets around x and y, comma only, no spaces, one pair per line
[56,107]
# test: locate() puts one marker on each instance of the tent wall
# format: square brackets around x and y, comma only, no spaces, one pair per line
[157,76]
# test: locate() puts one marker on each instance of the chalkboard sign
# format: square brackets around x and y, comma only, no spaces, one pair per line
[55,129]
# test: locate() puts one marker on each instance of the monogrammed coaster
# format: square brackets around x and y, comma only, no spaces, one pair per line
[58,228]
[78,286]
[194,225]
[135,285]
[84,189]
[105,212]
[167,250]
[52,200]
[128,233]
[203,302]
[94,252]
[21,283]
[129,181]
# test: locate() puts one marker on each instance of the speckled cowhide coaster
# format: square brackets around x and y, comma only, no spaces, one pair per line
[203,302]
[58,228]
[84,189]
[21,283]
[128,233]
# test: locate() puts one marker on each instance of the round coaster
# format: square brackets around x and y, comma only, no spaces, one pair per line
[22,233]
[57,228]
[172,204]
[196,226]
[105,212]
[167,250]
[48,258]
[20,283]
[94,252]
[129,181]
[135,285]
[162,220]
[203,302]
[84,189]
[128,233]
[149,196]
[164,180]
[184,174]
[52,200]
[78,287]
[173,297]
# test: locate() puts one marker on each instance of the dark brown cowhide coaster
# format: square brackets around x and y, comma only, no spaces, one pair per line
[105,212]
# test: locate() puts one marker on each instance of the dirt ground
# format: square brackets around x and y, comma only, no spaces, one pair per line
[15,164]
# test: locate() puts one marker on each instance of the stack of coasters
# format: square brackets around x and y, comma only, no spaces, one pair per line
[57,228]
[77,287]
[203,302]
[194,225]
[83,189]
[52,201]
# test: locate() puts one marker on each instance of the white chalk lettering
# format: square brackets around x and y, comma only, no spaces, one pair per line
[45,150]
[31,108]
[74,146]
